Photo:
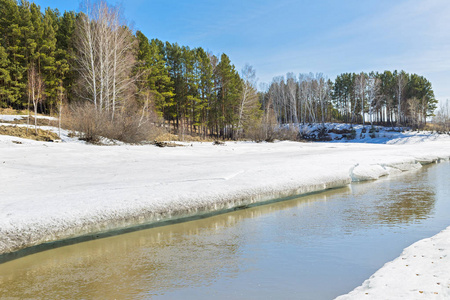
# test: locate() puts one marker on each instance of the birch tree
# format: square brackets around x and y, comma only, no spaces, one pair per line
[373,87]
[105,56]
[401,81]
[360,90]
[35,91]
[249,107]
[291,93]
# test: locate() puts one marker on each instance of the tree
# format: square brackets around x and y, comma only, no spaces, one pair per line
[36,89]
[373,87]
[323,95]
[229,89]
[5,78]
[360,90]
[249,108]
[13,42]
[65,54]
[420,102]
[47,58]
[401,81]
[173,54]
[206,87]
[154,74]
[291,95]
[61,98]
[105,57]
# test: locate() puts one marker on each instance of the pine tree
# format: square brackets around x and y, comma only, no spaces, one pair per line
[65,51]
[47,58]
[229,89]
[206,88]
[11,33]
[155,75]
[173,54]
[5,79]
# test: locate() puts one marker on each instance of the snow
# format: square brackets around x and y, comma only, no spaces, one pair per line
[367,133]
[55,191]
[421,272]
[10,118]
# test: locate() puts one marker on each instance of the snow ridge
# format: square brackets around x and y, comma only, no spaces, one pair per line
[75,190]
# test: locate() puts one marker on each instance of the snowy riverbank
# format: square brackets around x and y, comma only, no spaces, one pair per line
[55,191]
[421,272]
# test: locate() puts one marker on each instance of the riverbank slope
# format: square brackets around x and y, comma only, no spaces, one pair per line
[56,191]
[420,272]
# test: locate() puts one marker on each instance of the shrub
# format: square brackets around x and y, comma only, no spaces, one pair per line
[128,124]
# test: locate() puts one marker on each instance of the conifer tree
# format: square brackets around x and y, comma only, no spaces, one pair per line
[65,54]
[229,89]
[47,59]
[155,76]
[174,62]
[5,79]
[206,88]
[10,30]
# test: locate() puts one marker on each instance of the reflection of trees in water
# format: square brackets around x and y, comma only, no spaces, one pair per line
[407,206]
[196,253]
[408,199]
[155,261]
[138,263]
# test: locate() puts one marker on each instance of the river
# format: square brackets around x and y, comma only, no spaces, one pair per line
[313,247]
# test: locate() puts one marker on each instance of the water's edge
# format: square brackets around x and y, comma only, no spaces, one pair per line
[137,221]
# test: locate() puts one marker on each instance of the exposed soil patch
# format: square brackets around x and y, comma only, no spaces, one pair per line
[42,135]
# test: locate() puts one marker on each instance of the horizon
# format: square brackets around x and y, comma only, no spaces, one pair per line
[277,37]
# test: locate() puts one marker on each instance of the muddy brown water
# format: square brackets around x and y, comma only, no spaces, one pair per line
[312,247]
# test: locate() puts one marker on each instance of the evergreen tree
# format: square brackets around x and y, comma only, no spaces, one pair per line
[155,74]
[12,42]
[206,88]
[5,79]
[229,89]
[65,52]
[173,55]
[47,59]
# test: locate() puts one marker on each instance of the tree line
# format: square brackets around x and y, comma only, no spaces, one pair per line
[49,59]
[94,56]
[390,98]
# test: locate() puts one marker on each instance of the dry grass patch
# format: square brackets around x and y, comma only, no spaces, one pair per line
[10,111]
[42,135]
[40,122]
[169,137]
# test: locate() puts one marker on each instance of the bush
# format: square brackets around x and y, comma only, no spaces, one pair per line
[128,124]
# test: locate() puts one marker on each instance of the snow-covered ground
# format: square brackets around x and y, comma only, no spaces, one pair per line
[347,133]
[421,272]
[10,118]
[54,191]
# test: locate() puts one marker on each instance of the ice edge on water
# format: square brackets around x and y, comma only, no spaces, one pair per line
[16,237]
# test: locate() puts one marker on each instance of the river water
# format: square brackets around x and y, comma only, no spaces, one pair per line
[312,247]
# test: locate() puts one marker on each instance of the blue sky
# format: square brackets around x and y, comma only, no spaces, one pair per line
[280,36]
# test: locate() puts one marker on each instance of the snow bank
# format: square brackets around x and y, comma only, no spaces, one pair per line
[421,272]
[347,133]
[56,191]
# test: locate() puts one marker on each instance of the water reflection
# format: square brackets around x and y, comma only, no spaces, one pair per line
[403,201]
[286,240]
[158,259]
[407,206]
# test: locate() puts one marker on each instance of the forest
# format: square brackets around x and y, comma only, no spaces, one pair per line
[91,64]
